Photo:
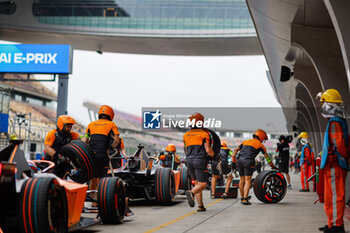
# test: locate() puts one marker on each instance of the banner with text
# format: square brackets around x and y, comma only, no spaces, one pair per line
[36,58]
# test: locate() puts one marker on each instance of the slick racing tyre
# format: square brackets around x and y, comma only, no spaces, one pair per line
[214,141]
[270,186]
[185,179]
[164,186]
[43,206]
[111,200]
[80,161]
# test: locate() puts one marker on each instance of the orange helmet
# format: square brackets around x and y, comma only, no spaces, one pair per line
[223,144]
[197,116]
[170,148]
[261,134]
[63,120]
[106,110]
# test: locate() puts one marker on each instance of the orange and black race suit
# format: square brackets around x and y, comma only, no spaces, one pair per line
[101,132]
[167,160]
[334,161]
[57,139]
[196,156]
[249,149]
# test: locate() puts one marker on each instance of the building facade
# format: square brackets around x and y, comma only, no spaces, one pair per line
[221,27]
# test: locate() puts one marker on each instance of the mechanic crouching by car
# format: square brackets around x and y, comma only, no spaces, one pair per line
[197,149]
[56,139]
[170,159]
[248,150]
[226,169]
[283,156]
[99,134]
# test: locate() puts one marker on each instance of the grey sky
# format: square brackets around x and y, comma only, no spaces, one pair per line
[129,82]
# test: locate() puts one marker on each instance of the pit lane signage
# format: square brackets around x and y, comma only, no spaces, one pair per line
[36,58]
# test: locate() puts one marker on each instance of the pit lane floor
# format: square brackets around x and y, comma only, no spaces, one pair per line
[295,213]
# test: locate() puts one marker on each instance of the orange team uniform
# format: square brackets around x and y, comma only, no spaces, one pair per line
[57,139]
[249,149]
[101,132]
[167,160]
[334,174]
[176,158]
[196,156]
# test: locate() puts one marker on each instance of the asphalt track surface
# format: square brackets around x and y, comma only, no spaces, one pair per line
[295,213]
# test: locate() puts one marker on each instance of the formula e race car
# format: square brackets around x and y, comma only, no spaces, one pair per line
[147,179]
[41,202]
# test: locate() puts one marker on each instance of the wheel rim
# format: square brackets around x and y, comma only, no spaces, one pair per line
[57,212]
[274,187]
[119,199]
[72,168]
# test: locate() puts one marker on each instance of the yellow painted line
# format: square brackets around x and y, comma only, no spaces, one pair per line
[180,218]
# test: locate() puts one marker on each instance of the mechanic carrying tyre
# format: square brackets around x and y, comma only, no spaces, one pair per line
[306,161]
[226,169]
[58,138]
[335,159]
[248,150]
[170,159]
[99,135]
[197,149]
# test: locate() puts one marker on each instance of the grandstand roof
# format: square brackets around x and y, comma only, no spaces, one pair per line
[41,116]
[32,88]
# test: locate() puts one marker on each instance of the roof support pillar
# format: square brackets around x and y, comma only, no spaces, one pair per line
[62,98]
